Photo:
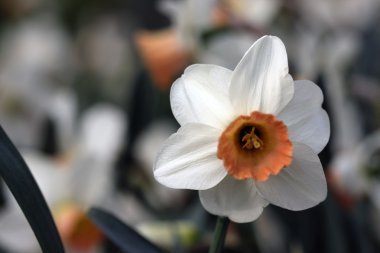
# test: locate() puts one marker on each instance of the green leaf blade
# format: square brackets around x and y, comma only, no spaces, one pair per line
[28,195]
[125,237]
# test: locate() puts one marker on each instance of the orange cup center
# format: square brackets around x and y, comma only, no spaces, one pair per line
[255,146]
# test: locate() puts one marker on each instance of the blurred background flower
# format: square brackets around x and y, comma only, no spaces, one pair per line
[84,94]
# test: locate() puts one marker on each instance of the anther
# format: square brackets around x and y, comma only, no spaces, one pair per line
[252,141]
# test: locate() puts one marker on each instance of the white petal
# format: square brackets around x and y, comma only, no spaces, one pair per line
[307,98]
[188,159]
[313,131]
[300,186]
[201,96]
[236,199]
[260,82]
[307,122]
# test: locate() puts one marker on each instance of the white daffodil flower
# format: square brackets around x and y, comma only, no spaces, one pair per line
[248,137]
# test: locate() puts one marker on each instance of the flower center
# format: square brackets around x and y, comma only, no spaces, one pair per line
[251,140]
[255,146]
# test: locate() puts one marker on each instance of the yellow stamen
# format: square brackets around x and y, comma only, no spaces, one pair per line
[252,141]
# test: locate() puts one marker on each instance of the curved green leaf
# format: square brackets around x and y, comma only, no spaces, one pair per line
[125,237]
[24,188]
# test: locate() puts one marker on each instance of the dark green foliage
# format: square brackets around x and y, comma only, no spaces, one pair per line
[24,188]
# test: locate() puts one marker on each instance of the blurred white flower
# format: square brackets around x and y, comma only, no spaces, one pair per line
[167,234]
[356,172]
[103,49]
[256,12]
[15,232]
[347,174]
[101,134]
[367,166]
[149,142]
[218,50]
[248,137]
[192,18]
[35,69]
[162,55]
[71,186]
[145,150]
[38,45]
[333,14]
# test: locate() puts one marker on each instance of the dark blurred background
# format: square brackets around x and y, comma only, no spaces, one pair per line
[84,95]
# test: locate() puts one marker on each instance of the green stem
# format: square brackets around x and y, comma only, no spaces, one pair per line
[219,235]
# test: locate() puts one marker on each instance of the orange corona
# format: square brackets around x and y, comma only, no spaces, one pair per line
[255,147]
